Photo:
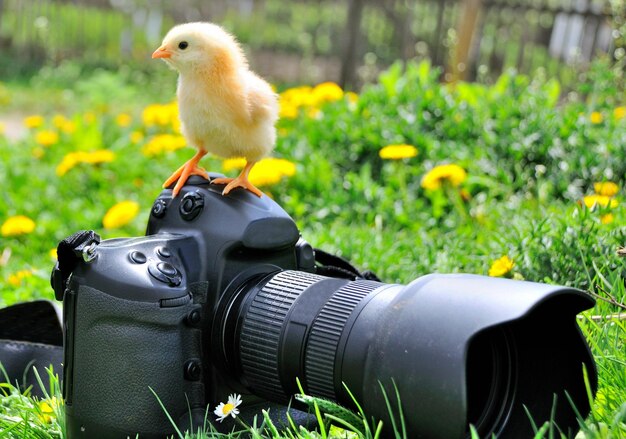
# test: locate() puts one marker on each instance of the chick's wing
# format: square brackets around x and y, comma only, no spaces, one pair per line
[262,102]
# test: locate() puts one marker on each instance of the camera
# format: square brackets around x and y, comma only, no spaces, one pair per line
[223,295]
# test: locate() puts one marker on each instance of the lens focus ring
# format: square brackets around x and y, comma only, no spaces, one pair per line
[262,326]
[326,333]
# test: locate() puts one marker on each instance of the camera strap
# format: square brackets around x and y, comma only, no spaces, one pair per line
[31,336]
[70,251]
[31,333]
[336,266]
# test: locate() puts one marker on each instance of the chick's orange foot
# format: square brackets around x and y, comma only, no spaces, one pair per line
[185,171]
[232,183]
[240,181]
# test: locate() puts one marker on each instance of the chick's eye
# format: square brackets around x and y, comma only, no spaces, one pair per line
[183,45]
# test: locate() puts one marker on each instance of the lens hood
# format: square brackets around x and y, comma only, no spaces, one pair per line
[465,349]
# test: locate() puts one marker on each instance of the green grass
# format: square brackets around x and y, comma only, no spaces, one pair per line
[531,155]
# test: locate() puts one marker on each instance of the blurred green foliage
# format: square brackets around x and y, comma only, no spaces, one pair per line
[46,32]
[531,156]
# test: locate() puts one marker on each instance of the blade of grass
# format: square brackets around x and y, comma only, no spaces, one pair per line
[379,429]
[180,435]
[269,424]
[402,422]
[530,418]
[344,423]
[390,411]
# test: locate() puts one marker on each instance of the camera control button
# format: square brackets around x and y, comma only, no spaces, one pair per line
[159,208]
[193,318]
[167,269]
[191,205]
[193,370]
[137,257]
[164,252]
[166,273]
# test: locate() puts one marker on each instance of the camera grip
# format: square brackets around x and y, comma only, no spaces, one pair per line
[118,353]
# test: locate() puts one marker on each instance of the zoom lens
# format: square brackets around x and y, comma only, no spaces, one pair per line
[455,348]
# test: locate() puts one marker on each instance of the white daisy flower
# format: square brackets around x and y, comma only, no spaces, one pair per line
[230,408]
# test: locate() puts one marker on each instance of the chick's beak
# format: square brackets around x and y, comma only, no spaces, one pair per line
[161,52]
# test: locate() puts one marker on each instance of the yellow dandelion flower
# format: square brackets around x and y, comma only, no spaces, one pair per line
[607,218]
[501,266]
[120,214]
[68,127]
[619,113]
[326,92]
[162,143]
[305,97]
[606,188]
[297,96]
[264,177]
[47,408]
[16,279]
[92,158]
[123,120]
[47,137]
[34,121]
[99,156]
[270,171]
[58,120]
[591,201]
[397,152]
[435,178]
[287,168]
[53,253]
[148,116]
[17,225]
[233,163]
[287,111]
[69,161]
[136,136]
[160,114]
[596,117]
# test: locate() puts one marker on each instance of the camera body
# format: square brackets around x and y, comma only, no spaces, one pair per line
[141,310]
[223,296]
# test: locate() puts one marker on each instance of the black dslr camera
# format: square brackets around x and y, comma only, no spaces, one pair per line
[222,295]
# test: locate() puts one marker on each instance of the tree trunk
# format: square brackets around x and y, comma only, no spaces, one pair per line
[353,30]
[460,63]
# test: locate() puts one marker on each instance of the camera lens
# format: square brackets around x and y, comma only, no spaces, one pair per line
[490,381]
[460,350]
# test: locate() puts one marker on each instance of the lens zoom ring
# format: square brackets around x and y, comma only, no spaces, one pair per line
[261,329]
[321,350]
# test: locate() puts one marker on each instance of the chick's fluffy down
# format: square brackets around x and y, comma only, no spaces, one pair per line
[238,122]
[224,107]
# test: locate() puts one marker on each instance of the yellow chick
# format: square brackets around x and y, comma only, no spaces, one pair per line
[224,108]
